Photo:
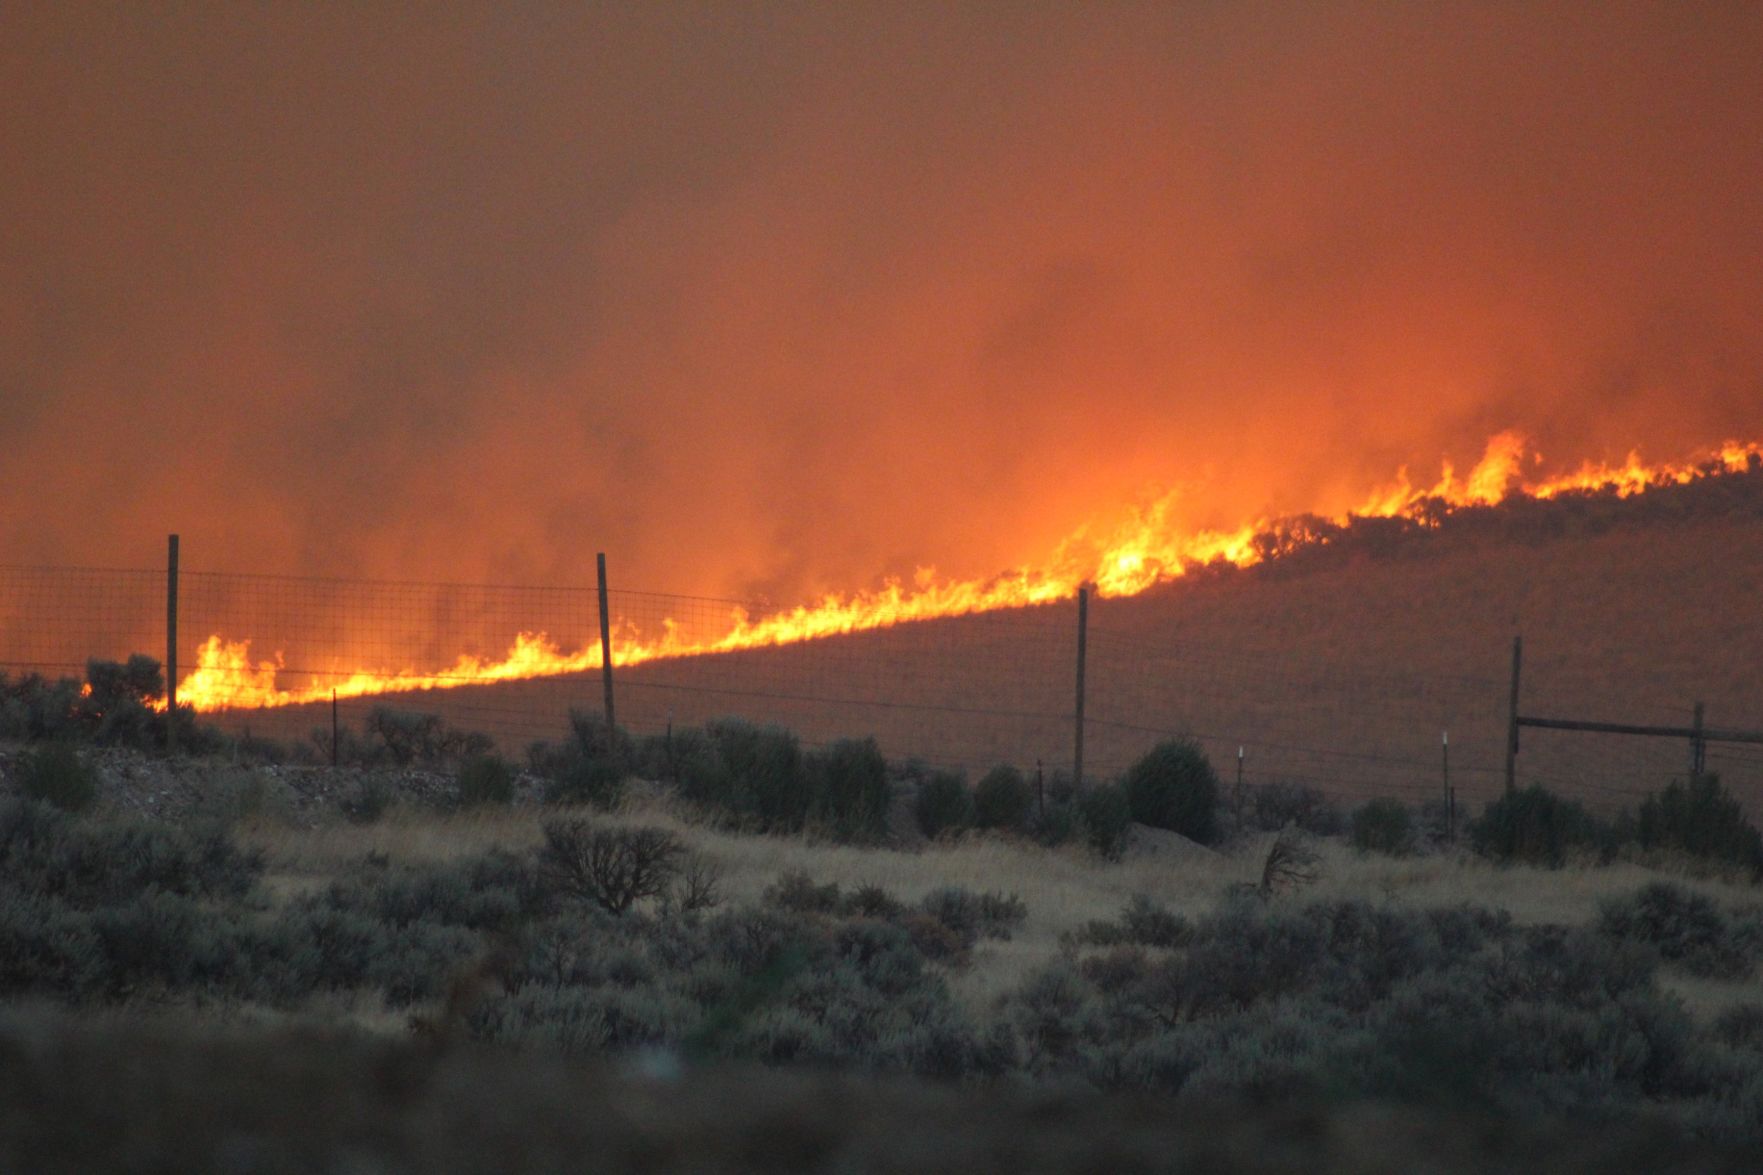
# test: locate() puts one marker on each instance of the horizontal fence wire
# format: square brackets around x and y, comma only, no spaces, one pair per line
[965,693]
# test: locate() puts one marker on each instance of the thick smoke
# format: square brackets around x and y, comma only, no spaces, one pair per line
[780,298]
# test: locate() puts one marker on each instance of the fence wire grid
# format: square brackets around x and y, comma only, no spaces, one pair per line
[966,692]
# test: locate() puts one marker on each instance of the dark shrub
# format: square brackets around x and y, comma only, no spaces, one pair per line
[119,701]
[59,775]
[46,947]
[494,892]
[1741,1027]
[851,779]
[1002,799]
[974,916]
[369,799]
[697,886]
[1532,825]
[589,767]
[613,867]
[1683,926]
[755,774]
[872,901]
[485,779]
[408,737]
[1291,863]
[1054,1017]
[139,679]
[1147,923]
[1143,923]
[1275,805]
[599,782]
[162,939]
[798,892]
[943,804]
[91,864]
[34,707]
[1699,818]
[1383,825]
[1174,787]
[1058,823]
[1106,815]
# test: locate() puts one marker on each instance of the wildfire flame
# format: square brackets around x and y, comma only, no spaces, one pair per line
[1147,550]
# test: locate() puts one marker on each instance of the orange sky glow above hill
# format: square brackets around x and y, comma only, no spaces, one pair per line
[788,302]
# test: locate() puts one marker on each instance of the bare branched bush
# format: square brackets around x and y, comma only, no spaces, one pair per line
[1291,864]
[612,867]
[697,886]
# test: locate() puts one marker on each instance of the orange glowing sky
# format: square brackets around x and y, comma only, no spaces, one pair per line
[780,300]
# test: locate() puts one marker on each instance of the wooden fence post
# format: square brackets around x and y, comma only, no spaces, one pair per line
[1698,748]
[171,646]
[1083,622]
[606,657]
[1512,718]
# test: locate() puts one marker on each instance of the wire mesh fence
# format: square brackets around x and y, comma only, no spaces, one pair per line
[965,692]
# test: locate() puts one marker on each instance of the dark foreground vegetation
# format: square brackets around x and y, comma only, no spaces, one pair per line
[154,1097]
[609,940]
[610,944]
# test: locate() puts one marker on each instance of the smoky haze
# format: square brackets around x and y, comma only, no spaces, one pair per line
[777,299]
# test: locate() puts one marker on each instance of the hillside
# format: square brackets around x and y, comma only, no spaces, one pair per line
[1338,663]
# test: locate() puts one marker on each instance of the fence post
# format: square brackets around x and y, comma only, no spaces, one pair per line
[1450,800]
[1239,801]
[1512,718]
[171,646]
[606,656]
[1698,747]
[1083,623]
[334,728]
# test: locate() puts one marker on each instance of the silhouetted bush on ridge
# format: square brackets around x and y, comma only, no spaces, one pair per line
[1174,787]
[1002,798]
[942,804]
[1383,825]
[1699,818]
[1535,826]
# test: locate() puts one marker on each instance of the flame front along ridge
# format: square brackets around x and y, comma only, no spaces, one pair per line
[1144,552]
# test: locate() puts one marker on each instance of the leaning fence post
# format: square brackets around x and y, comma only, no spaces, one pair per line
[606,656]
[1083,622]
[171,646]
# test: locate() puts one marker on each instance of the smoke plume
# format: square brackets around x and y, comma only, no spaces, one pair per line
[778,299]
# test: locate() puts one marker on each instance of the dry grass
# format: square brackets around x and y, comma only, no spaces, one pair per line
[1064,888]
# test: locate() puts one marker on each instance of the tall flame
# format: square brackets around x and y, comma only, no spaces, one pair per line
[1148,549]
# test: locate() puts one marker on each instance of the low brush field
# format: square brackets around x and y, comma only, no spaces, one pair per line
[271,975]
